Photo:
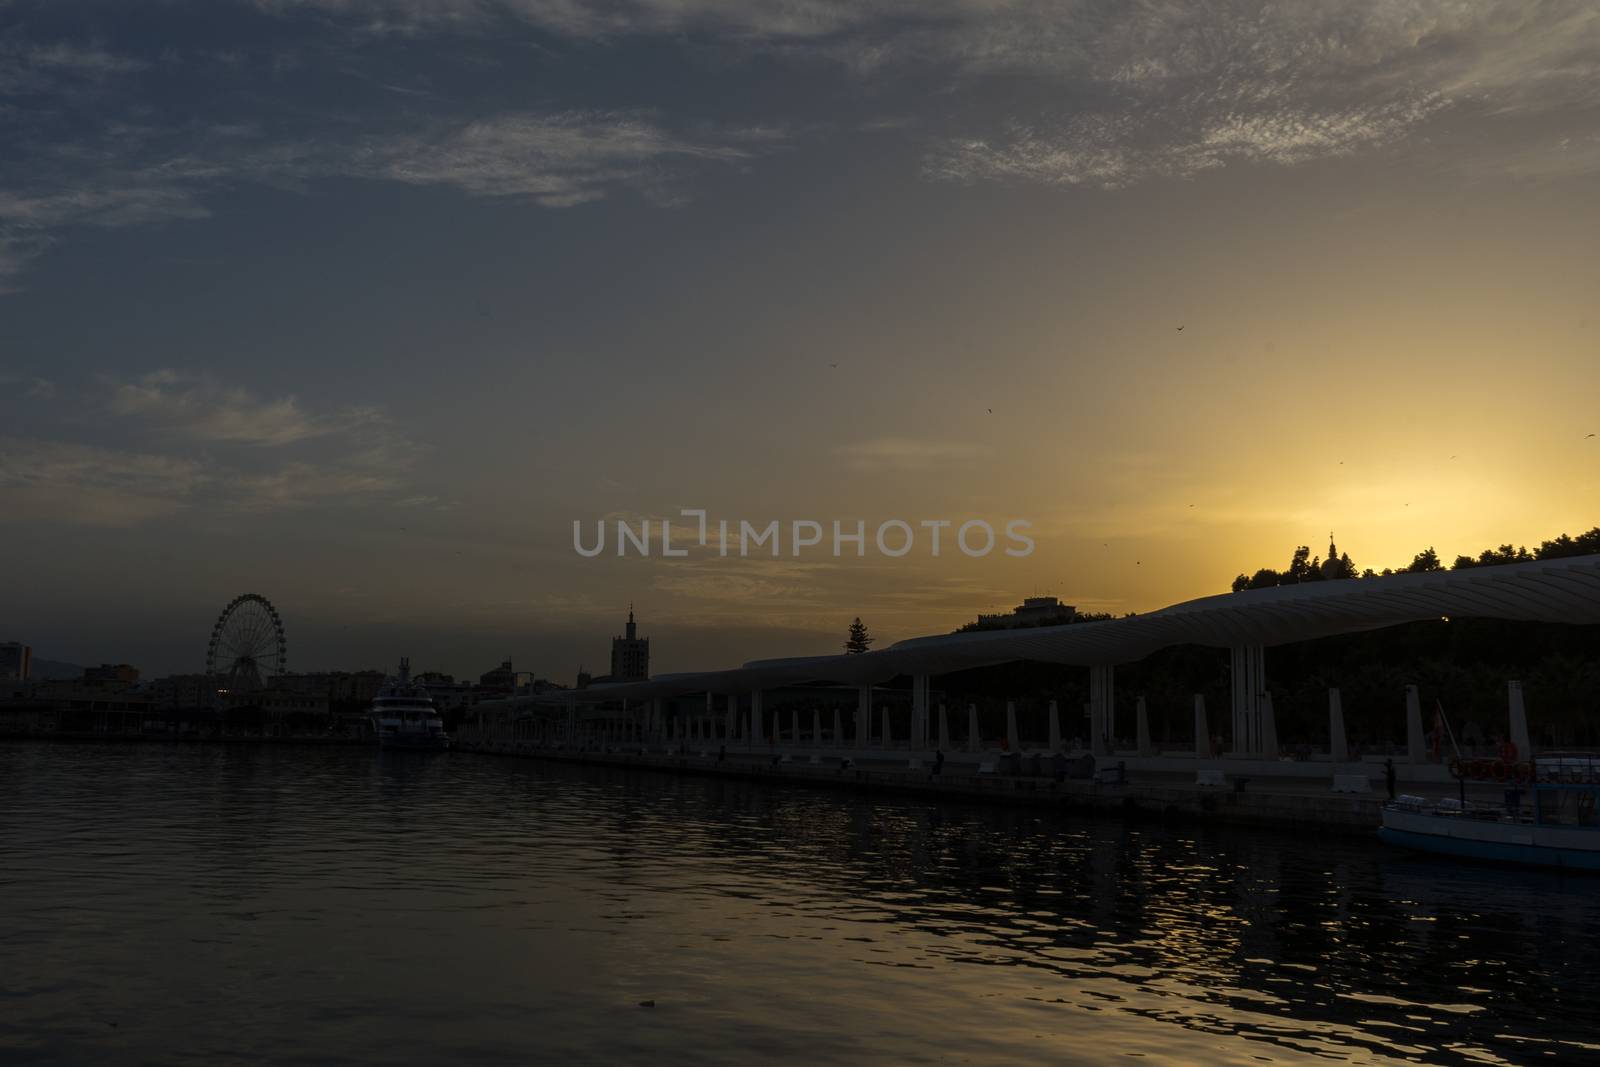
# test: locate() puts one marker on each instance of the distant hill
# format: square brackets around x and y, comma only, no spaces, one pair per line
[49,670]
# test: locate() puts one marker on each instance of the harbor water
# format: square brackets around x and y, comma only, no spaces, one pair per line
[231,904]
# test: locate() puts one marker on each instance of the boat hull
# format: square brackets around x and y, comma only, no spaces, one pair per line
[1492,842]
[415,744]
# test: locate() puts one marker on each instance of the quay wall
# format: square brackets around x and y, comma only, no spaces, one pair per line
[1257,804]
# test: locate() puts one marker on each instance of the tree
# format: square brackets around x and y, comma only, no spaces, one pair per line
[859,639]
[1494,557]
[1426,560]
[1301,569]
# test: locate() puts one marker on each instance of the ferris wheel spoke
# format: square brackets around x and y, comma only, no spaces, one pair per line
[247,640]
[246,628]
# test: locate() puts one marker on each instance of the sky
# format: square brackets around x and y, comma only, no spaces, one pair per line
[361,304]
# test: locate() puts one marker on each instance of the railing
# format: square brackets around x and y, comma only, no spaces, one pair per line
[1554,768]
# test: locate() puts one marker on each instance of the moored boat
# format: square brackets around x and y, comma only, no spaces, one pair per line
[1559,826]
[403,715]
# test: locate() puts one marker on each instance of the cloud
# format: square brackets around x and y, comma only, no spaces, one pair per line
[34,67]
[1174,89]
[72,482]
[97,486]
[1095,93]
[555,160]
[256,455]
[206,411]
[132,174]
[796,19]
[908,454]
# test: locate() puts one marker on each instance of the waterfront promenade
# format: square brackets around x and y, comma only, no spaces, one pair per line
[1244,795]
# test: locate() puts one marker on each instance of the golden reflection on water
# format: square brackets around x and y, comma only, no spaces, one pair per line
[337,906]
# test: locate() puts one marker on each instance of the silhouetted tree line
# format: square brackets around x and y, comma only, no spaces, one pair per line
[1304,567]
[1063,618]
[1462,664]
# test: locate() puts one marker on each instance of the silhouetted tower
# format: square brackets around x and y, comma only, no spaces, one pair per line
[630,655]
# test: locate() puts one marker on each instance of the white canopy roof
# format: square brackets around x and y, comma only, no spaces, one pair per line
[1554,590]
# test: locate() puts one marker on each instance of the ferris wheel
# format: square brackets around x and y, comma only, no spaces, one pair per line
[247,645]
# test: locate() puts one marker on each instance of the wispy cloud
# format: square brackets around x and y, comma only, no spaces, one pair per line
[133,174]
[1174,89]
[36,66]
[909,454]
[189,441]
[555,160]
[204,410]
[1095,93]
[67,481]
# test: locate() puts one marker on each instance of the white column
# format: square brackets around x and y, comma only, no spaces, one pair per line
[794,726]
[1142,726]
[1338,746]
[888,734]
[944,729]
[777,731]
[816,727]
[1416,745]
[863,716]
[1269,728]
[1519,722]
[1202,733]
[755,716]
[1013,742]
[974,738]
[1055,728]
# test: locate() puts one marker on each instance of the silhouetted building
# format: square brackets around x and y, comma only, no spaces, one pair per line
[1033,611]
[185,691]
[15,659]
[630,655]
[502,678]
[111,676]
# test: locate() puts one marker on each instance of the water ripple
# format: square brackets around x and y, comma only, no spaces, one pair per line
[222,904]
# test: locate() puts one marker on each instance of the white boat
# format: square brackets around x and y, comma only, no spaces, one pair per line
[403,715]
[1558,826]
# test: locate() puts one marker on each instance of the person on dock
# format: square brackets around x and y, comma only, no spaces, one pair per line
[1388,776]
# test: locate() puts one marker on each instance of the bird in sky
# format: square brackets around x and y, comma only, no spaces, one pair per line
[1180,328]
[833,364]
[990,410]
[1587,436]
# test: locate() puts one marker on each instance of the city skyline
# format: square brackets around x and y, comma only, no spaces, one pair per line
[1184,296]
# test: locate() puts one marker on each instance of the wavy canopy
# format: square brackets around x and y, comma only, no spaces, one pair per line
[1555,590]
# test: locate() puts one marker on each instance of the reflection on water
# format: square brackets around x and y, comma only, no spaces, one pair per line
[225,904]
